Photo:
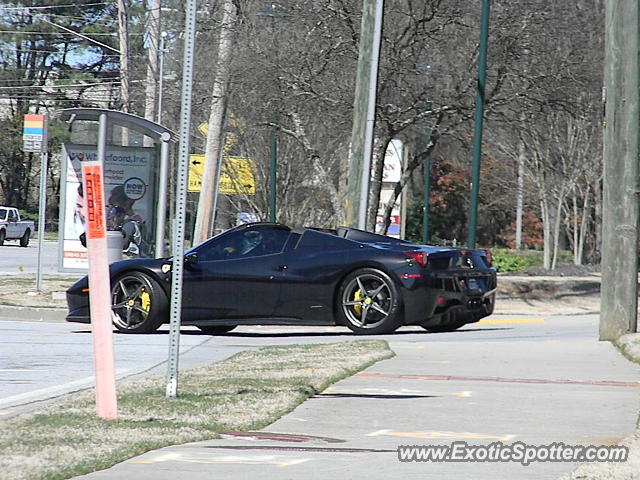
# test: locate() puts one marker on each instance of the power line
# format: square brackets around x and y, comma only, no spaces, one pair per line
[56,6]
[53,52]
[54,33]
[78,34]
[67,17]
[71,85]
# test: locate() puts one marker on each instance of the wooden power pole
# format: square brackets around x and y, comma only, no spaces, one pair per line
[361,108]
[125,70]
[619,291]
[153,39]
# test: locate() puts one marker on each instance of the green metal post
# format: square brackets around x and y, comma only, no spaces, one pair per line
[477,138]
[425,199]
[272,175]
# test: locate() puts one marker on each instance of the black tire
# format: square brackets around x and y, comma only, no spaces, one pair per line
[3,235]
[369,302]
[138,302]
[216,329]
[24,240]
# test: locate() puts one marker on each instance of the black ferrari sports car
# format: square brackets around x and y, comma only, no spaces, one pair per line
[270,274]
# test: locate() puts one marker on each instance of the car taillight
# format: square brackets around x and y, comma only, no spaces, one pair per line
[488,257]
[421,258]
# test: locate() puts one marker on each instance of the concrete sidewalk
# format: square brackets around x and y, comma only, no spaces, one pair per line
[523,382]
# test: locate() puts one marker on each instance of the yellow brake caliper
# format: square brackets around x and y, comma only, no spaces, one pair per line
[145,301]
[357,296]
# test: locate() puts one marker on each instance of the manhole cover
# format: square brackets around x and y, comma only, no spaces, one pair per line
[284,437]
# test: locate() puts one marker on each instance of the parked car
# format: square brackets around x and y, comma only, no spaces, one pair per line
[270,274]
[13,228]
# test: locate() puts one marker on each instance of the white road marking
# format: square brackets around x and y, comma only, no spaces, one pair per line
[13,370]
[400,392]
[435,434]
[277,460]
[50,392]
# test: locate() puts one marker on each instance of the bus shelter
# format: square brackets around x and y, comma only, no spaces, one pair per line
[135,154]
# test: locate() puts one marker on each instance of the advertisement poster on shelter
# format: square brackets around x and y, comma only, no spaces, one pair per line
[128,185]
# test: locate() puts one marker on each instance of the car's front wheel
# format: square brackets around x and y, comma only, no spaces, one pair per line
[138,302]
[369,302]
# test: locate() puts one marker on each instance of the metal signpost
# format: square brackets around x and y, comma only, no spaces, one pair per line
[35,140]
[181,201]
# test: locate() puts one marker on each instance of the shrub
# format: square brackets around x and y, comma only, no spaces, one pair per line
[512,261]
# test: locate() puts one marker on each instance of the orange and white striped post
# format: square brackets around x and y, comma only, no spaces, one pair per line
[99,290]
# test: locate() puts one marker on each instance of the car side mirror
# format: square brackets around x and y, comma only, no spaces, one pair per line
[191,259]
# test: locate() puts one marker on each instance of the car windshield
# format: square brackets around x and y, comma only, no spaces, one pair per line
[3,214]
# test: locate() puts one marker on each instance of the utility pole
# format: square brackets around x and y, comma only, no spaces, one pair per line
[125,71]
[153,39]
[619,294]
[214,146]
[520,194]
[426,193]
[163,38]
[273,165]
[359,170]
[477,138]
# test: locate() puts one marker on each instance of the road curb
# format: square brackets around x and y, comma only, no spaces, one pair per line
[513,287]
[33,313]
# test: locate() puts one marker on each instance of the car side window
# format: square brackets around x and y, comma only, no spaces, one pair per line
[252,242]
[12,216]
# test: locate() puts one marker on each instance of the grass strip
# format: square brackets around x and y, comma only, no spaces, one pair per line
[19,290]
[248,391]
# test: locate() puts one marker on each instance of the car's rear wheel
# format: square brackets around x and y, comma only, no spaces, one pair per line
[216,329]
[3,235]
[369,302]
[24,240]
[138,302]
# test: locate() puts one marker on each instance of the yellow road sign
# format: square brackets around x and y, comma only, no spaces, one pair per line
[236,176]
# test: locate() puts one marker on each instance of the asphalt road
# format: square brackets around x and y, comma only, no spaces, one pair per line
[15,259]
[537,380]
[40,360]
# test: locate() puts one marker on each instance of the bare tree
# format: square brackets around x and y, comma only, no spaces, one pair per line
[215,136]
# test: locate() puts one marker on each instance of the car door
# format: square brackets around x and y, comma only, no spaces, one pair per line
[12,225]
[235,277]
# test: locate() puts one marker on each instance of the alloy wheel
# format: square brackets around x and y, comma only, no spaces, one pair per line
[367,300]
